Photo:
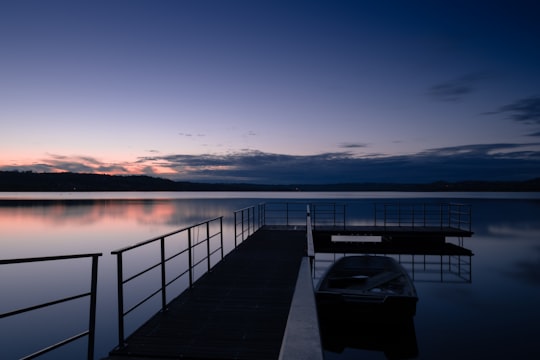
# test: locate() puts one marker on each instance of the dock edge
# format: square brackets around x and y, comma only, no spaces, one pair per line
[302,339]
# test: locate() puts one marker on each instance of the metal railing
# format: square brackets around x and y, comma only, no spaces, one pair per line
[309,237]
[192,243]
[294,214]
[459,216]
[92,294]
[244,224]
[329,214]
[413,215]
[284,213]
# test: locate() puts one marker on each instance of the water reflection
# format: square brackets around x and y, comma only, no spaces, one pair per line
[394,338]
[88,212]
[527,269]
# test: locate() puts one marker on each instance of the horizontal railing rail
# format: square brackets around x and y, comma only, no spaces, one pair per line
[92,294]
[191,244]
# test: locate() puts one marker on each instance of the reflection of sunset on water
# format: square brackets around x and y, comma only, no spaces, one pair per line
[61,213]
[36,228]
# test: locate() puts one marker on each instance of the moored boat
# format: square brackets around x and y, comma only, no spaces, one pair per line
[369,285]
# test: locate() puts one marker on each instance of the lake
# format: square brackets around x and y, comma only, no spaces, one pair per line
[494,315]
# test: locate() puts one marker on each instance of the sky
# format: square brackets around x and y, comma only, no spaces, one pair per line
[274,92]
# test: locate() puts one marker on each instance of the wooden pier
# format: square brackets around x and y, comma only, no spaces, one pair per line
[238,310]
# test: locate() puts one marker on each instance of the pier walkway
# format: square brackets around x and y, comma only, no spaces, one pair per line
[238,310]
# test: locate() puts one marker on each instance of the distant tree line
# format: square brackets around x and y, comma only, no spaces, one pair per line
[67,181]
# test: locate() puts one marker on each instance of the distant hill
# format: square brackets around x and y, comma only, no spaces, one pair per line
[31,181]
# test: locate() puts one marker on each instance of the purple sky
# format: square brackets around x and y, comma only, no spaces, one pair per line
[272,91]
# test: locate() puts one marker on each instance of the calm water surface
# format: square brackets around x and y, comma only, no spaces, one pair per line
[494,316]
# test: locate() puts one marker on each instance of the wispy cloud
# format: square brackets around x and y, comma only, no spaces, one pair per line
[457,89]
[83,164]
[353,145]
[525,110]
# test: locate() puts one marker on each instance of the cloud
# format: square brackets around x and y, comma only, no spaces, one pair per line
[63,163]
[455,90]
[353,145]
[524,110]
[471,162]
[499,161]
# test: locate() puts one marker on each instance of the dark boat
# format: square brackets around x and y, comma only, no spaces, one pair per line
[367,285]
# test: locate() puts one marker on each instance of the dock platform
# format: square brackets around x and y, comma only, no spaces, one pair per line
[238,310]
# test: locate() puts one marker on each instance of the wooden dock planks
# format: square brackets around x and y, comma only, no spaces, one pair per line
[238,310]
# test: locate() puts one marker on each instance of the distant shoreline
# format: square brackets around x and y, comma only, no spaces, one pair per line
[15,181]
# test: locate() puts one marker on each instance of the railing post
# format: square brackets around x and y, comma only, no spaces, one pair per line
[221,235]
[309,236]
[93,302]
[252,217]
[163,277]
[120,287]
[235,232]
[242,212]
[208,244]
[313,215]
[190,260]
